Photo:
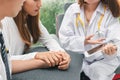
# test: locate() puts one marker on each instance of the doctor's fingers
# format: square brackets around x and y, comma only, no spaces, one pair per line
[98,41]
[89,37]
[110,49]
[94,42]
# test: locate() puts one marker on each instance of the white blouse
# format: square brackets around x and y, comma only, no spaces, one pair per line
[15,44]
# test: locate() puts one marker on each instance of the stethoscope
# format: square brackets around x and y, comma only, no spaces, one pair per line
[99,33]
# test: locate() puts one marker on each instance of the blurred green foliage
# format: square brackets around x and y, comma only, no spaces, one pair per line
[48,13]
[50,9]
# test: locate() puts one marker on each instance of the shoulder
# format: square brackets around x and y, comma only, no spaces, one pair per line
[40,24]
[109,19]
[42,27]
[8,24]
[73,8]
[74,5]
[7,19]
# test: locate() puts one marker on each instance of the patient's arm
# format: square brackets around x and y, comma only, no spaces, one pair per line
[24,65]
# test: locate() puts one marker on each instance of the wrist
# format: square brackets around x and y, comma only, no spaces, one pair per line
[40,63]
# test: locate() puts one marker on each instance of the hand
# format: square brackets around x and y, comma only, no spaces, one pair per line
[64,64]
[49,57]
[41,64]
[109,49]
[56,57]
[89,41]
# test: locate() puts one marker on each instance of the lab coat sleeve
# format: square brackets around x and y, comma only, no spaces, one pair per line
[47,40]
[67,34]
[113,34]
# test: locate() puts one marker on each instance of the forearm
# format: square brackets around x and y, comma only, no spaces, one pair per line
[24,65]
[23,57]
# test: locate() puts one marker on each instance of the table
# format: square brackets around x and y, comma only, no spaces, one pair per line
[73,73]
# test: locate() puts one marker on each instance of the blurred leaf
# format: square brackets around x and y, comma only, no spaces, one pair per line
[49,11]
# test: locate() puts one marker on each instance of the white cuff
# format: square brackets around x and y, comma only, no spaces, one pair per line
[23,57]
[92,57]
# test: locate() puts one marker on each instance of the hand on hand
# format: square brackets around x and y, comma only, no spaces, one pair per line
[49,57]
[55,58]
[64,64]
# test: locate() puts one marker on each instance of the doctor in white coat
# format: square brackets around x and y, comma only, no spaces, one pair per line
[90,23]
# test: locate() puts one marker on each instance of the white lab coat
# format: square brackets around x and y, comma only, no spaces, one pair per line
[72,38]
[15,44]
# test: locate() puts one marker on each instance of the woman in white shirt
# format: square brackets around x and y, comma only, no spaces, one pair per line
[26,29]
[15,7]
[87,24]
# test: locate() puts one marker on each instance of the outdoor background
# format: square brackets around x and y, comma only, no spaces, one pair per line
[49,10]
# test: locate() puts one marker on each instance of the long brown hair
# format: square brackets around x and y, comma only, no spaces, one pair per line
[28,27]
[112,4]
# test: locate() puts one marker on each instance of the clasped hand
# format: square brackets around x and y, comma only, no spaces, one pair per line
[54,58]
